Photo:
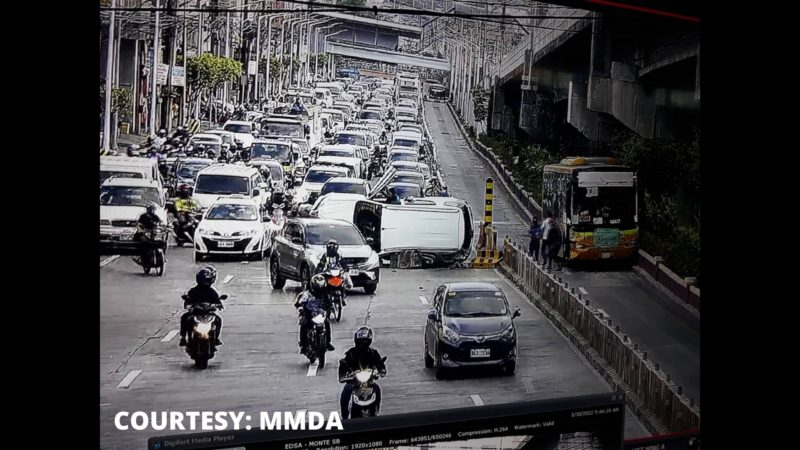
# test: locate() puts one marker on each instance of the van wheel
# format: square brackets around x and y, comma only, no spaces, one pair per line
[370,289]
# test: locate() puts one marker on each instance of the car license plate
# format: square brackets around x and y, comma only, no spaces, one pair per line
[225,244]
[354,272]
[479,353]
[606,255]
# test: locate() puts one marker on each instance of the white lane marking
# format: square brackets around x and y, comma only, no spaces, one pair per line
[245,262]
[583,291]
[423,300]
[170,335]
[105,404]
[129,379]
[476,399]
[108,260]
[312,369]
[228,279]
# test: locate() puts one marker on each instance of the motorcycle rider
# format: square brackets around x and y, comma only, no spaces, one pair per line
[133,150]
[445,192]
[147,223]
[202,292]
[308,303]
[332,259]
[185,206]
[357,358]
[161,138]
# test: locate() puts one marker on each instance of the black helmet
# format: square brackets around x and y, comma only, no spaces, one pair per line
[317,284]
[162,132]
[151,207]
[183,191]
[332,246]
[363,337]
[206,276]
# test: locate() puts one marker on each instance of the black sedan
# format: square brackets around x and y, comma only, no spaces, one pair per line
[469,325]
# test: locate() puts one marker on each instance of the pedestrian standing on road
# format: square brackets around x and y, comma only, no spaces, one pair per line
[554,240]
[535,232]
[545,234]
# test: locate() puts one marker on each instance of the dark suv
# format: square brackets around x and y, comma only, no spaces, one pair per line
[301,244]
[470,324]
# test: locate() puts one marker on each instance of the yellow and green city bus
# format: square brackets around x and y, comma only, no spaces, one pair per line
[595,200]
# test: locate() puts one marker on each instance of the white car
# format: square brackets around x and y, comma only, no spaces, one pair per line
[122,201]
[231,226]
[242,130]
[315,178]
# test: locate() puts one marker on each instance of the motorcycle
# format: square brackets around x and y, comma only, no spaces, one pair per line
[316,339]
[184,226]
[363,400]
[154,256]
[336,282]
[200,345]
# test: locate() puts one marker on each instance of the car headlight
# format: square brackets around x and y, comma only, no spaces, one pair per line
[450,335]
[244,233]
[208,233]
[508,333]
[373,260]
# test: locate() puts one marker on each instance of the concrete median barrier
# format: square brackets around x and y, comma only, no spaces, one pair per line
[651,394]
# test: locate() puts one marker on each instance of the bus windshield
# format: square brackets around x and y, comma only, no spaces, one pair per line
[606,206]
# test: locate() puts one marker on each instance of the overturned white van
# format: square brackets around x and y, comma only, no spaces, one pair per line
[439,229]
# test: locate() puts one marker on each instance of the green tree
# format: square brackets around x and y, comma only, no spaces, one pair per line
[208,72]
[480,103]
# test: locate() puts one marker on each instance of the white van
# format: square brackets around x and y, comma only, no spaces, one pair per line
[220,180]
[127,167]
[335,88]
[440,229]
[355,164]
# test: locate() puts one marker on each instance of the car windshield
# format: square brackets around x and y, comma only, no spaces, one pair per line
[226,138]
[370,115]
[404,157]
[221,184]
[190,170]
[106,174]
[276,172]
[206,147]
[232,212]
[475,304]
[352,139]
[408,179]
[321,176]
[345,188]
[408,191]
[340,153]
[238,128]
[128,196]
[278,152]
[344,234]
[283,129]
[320,95]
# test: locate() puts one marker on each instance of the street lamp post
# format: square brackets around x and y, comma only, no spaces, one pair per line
[316,47]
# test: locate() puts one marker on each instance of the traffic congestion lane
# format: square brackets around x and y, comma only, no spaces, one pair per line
[259,367]
[644,312]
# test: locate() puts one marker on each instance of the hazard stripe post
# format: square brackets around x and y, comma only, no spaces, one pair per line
[488,256]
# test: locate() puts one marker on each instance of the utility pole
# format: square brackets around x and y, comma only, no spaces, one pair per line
[109,74]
